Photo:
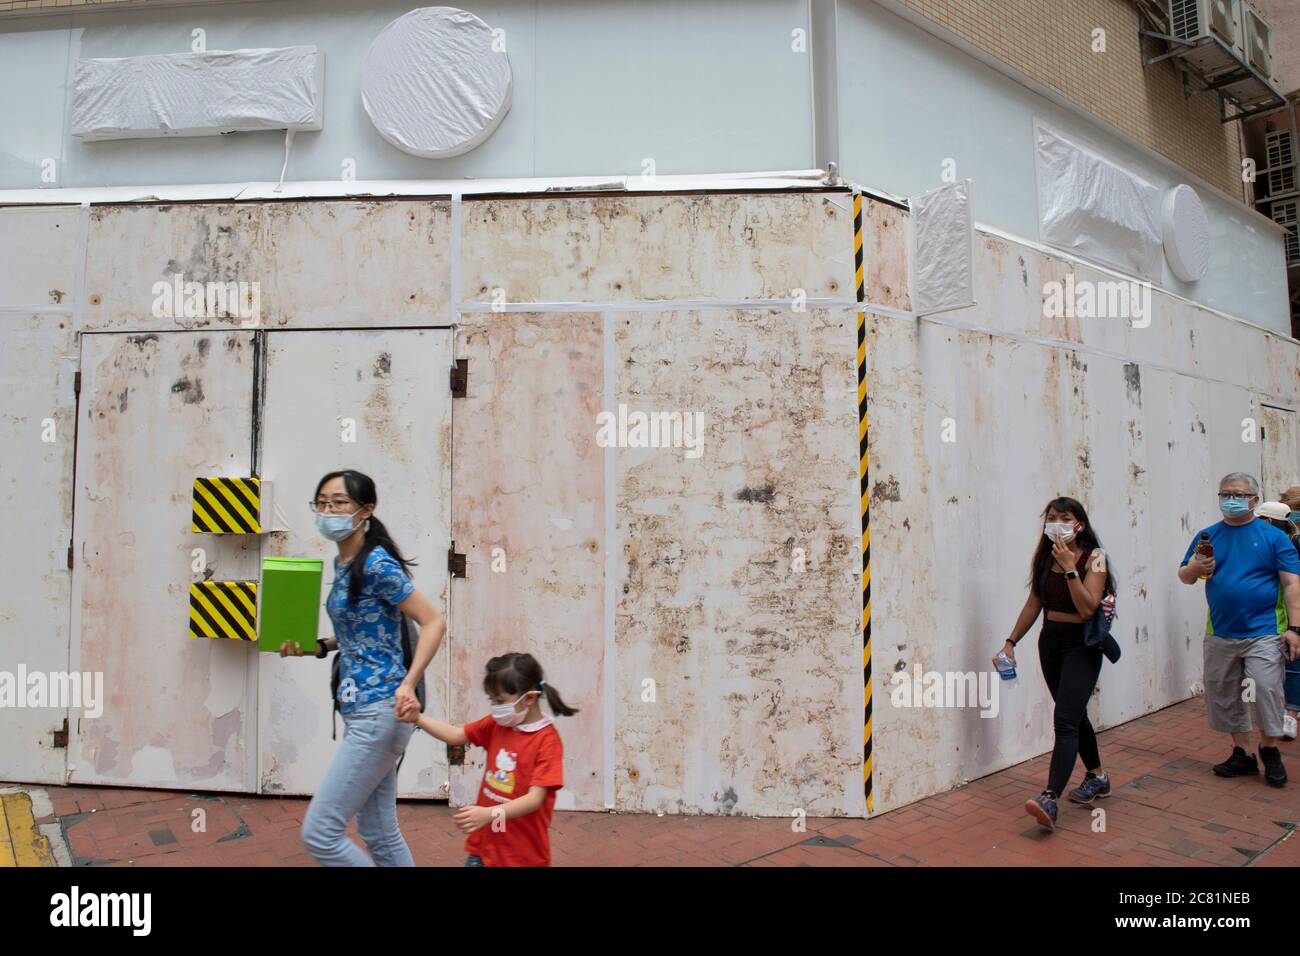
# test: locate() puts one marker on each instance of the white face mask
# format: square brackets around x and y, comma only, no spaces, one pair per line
[506,715]
[1062,530]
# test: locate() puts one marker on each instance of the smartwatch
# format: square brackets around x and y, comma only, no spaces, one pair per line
[1294,628]
[1072,574]
[321,650]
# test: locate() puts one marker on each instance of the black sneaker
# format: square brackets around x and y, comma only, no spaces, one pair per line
[1274,772]
[1043,809]
[1240,764]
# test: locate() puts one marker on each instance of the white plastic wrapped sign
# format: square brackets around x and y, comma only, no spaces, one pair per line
[1096,210]
[198,94]
[941,249]
[436,82]
[1186,232]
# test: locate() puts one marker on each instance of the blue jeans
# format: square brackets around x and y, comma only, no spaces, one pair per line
[361,782]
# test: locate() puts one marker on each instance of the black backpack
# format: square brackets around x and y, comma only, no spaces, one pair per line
[410,637]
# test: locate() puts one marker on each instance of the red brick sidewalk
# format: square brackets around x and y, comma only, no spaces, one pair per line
[1167,809]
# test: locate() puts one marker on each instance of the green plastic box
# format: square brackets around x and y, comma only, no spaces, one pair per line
[290,609]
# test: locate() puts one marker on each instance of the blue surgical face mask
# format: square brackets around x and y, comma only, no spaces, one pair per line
[334,527]
[1235,507]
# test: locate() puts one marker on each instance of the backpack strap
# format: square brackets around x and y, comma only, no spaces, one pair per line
[334,696]
[409,641]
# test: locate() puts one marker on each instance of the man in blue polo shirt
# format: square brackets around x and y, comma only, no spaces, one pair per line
[1246,645]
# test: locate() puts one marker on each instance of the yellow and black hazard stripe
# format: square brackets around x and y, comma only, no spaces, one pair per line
[227,506]
[864,492]
[224,609]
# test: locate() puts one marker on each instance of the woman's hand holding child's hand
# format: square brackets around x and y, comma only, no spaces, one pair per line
[407,709]
[470,819]
[406,698]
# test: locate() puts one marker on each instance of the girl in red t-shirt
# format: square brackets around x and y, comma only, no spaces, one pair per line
[510,822]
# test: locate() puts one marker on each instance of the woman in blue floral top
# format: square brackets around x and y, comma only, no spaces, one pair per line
[370,593]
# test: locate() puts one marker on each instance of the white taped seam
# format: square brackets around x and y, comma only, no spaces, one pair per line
[79,291]
[656,305]
[885,310]
[454,297]
[612,549]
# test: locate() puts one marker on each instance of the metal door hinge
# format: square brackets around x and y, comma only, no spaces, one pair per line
[76,384]
[69,555]
[61,736]
[455,562]
[460,378]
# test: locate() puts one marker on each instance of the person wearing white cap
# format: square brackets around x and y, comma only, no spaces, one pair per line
[1279,515]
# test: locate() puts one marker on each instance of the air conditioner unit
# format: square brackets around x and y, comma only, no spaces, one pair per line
[1258,38]
[1193,20]
[1285,214]
[1279,150]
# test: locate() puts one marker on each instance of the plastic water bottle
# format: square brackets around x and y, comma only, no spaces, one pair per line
[1006,666]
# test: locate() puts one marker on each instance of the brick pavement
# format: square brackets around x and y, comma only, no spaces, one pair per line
[1167,808]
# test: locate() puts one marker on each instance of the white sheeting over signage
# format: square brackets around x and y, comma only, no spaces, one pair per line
[941,249]
[1095,209]
[198,94]
[436,82]
[1186,231]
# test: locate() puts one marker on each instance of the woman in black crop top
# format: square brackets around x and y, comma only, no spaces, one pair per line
[1068,579]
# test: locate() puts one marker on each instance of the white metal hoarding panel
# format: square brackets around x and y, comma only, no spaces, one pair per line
[1281,463]
[37,432]
[158,410]
[302,264]
[529,517]
[378,402]
[39,248]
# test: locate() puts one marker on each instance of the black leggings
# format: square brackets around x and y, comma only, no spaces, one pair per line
[1071,669]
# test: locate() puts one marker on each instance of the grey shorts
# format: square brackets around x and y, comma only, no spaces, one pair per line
[1237,670]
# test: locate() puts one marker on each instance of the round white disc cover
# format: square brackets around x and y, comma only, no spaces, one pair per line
[436,82]
[1186,233]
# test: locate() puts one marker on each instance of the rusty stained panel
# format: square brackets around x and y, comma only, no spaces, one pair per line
[756,664]
[37,432]
[1281,465]
[627,248]
[317,264]
[39,247]
[954,524]
[527,479]
[157,410]
[884,247]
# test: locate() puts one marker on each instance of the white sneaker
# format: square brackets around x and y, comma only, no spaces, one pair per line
[1288,727]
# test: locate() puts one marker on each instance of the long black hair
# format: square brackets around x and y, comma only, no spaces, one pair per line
[518,674]
[362,490]
[1087,541]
